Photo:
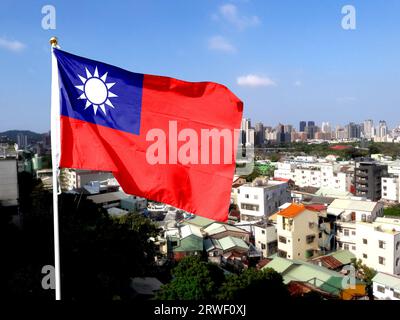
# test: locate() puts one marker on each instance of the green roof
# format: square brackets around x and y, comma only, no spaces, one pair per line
[199,221]
[344,256]
[279,264]
[389,280]
[189,243]
[230,242]
[296,270]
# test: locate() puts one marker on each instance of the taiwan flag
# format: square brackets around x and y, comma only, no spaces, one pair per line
[164,139]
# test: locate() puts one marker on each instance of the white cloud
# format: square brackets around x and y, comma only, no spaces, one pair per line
[297,83]
[230,13]
[11,45]
[252,80]
[219,43]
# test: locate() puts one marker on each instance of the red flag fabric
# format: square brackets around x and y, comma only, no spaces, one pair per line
[164,139]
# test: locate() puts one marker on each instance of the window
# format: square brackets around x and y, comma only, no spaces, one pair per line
[246,196]
[353,233]
[365,241]
[346,232]
[263,231]
[381,260]
[282,254]
[247,206]
[346,246]
[397,245]
[238,191]
[255,197]
[262,246]
[396,295]
[382,244]
[365,256]
[353,248]
[282,239]
[310,239]
[381,289]
[397,262]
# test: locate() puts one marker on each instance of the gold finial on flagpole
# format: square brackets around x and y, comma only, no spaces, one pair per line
[53,42]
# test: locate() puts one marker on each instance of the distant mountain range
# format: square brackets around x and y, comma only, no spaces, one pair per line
[12,135]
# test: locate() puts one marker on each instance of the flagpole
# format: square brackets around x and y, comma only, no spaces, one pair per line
[55,148]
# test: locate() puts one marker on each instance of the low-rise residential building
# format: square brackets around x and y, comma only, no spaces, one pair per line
[386,286]
[297,229]
[218,230]
[261,198]
[333,284]
[266,238]
[220,250]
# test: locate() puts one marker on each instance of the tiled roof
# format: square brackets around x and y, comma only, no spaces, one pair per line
[292,211]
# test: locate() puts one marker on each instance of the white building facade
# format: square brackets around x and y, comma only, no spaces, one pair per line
[261,198]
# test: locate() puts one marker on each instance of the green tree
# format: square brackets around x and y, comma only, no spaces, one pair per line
[253,284]
[193,279]
[364,273]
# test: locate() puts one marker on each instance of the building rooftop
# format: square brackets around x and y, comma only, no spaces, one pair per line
[292,211]
[189,243]
[217,227]
[108,197]
[348,204]
[386,279]
[320,277]
[198,221]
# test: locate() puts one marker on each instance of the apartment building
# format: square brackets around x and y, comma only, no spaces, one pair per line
[297,229]
[378,244]
[390,188]
[261,198]
[367,179]
[74,178]
[318,175]
[347,213]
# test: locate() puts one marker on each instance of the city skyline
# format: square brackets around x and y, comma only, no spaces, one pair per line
[282,63]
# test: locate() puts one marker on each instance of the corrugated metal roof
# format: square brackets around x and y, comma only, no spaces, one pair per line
[190,243]
[386,279]
[230,242]
[347,204]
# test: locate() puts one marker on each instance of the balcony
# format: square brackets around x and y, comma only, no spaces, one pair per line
[361,174]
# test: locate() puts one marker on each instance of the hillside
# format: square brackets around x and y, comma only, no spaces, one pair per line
[12,134]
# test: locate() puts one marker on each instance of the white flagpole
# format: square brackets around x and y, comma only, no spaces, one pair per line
[55,152]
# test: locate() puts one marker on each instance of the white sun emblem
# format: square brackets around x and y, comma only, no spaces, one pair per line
[96,91]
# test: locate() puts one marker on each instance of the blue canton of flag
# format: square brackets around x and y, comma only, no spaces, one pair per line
[99,93]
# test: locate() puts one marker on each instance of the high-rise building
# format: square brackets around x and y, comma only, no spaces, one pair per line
[382,129]
[326,127]
[302,127]
[311,129]
[244,130]
[22,140]
[368,130]
[353,131]
[259,134]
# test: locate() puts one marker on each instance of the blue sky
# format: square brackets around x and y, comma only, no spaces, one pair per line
[288,60]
